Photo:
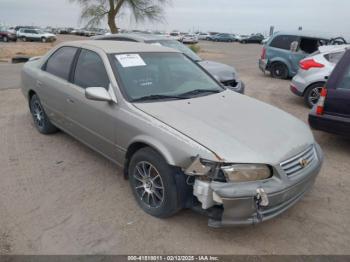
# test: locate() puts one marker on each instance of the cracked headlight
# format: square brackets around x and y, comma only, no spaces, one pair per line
[246,172]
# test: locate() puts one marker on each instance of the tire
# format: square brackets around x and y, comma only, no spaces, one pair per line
[43,40]
[41,120]
[5,39]
[24,39]
[279,70]
[156,193]
[312,94]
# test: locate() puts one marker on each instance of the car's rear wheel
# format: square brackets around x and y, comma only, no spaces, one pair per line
[279,70]
[5,39]
[153,184]
[24,39]
[312,94]
[41,120]
[43,40]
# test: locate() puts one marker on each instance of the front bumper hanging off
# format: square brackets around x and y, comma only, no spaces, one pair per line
[251,203]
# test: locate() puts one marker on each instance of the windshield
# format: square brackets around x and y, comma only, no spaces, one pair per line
[161,75]
[178,46]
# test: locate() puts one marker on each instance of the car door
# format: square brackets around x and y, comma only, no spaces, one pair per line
[52,83]
[338,89]
[92,122]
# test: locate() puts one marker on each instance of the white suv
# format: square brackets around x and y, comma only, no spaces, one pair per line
[29,34]
[314,71]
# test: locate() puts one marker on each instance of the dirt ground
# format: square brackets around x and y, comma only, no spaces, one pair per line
[11,49]
[59,197]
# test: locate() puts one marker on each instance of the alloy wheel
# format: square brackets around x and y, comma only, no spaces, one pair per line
[149,184]
[314,95]
[38,114]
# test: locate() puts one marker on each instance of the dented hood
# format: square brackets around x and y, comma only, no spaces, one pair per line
[237,128]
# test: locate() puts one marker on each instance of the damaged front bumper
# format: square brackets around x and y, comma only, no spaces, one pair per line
[250,203]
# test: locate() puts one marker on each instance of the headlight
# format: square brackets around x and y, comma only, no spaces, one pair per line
[246,172]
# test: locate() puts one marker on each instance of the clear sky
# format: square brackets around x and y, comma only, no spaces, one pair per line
[236,16]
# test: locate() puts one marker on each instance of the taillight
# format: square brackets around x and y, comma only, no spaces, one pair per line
[309,63]
[263,53]
[321,100]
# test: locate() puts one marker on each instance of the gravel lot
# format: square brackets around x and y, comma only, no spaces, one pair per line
[59,197]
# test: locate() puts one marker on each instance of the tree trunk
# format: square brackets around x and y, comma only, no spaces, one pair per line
[111,22]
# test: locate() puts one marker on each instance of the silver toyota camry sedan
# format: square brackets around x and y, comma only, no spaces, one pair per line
[183,140]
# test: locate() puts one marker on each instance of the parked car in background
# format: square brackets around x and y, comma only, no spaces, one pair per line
[203,36]
[227,75]
[176,36]
[190,39]
[224,38]
[253,39]
[6,35]
[283,52]
[183,140]
[314,72]
[28,34]
[211,37]
[332,112]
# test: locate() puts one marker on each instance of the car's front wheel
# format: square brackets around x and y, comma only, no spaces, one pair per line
[24,39]
[312,94]
[43,40]
[153,184]
[41,120]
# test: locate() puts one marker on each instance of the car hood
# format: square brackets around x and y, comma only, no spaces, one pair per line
[222,71]
[237,128]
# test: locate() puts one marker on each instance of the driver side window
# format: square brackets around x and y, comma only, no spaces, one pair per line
[90,71]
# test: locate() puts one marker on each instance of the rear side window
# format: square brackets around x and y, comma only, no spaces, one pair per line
[90,71]
[283,41]
[334,57]
[59,64]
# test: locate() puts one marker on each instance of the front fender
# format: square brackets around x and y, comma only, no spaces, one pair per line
[157,145]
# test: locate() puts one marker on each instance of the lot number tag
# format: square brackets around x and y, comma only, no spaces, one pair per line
[130,60]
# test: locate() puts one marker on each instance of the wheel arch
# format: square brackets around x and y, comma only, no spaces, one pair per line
[314,83]
[280,60]
[31,92]
[143,142]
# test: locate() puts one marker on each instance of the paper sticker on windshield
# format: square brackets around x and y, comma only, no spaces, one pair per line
[130,60]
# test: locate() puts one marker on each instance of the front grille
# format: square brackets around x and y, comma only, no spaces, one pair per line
[232,83]
[299,162]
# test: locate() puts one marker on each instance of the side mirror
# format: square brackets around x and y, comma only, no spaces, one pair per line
[294,46]
[97,94]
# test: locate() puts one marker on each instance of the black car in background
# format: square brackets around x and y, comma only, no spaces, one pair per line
[332,113]
[253,39]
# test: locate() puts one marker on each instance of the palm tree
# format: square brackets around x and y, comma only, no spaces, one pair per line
[95,11]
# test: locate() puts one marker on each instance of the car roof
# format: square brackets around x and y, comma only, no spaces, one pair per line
[138,37]
[307,34]
[110,46]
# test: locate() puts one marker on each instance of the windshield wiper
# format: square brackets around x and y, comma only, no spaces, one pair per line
[157,97]
[199,91]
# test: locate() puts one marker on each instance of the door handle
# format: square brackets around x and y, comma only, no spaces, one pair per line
[69,100]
